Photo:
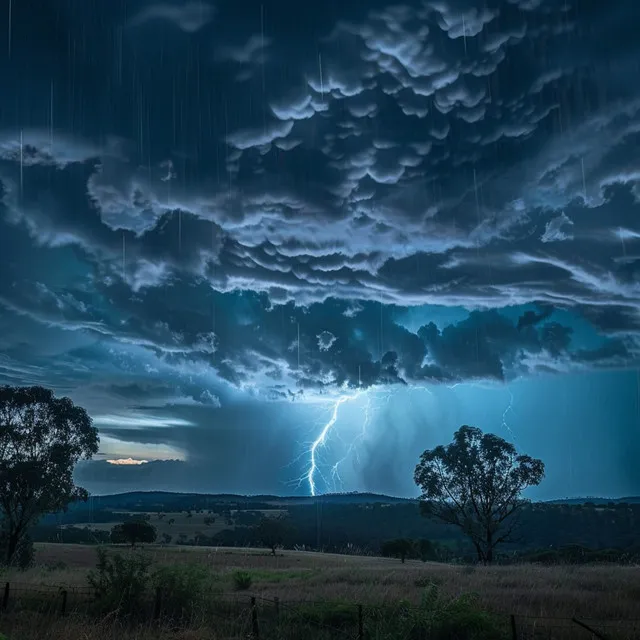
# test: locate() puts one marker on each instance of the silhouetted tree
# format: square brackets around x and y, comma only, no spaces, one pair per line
[41,440]
[426,550]
[271,532]
[398,548]
[476,483]
[133,532]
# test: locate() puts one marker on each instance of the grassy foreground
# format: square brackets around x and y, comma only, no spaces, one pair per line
[323,590]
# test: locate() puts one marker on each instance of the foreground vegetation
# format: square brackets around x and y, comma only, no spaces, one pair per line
[208,592]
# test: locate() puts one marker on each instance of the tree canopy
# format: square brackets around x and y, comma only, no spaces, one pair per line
[133,532]
[42,438]
[398,548]
[272,532]
[476,483]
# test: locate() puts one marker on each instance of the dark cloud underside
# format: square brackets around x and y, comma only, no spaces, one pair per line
[202,202]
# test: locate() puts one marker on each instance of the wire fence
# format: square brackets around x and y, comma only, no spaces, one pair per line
[246,615]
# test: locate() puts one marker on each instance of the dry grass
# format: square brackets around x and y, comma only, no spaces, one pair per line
[604,591]
[587,592]
[182,524]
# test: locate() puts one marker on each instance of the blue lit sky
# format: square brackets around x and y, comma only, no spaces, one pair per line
[219,218]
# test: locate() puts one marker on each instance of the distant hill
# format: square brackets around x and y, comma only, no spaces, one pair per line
[627,500]
[166,499]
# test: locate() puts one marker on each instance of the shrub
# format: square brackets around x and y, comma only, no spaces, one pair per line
[437,618]
[460,618]
[120,581]
[242,580]
[186,590]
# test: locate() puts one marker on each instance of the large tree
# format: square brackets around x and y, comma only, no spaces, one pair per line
[133,532]
[476,483]
[272,532]
[41,440]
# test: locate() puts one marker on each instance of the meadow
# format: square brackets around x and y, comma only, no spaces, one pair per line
[542,599]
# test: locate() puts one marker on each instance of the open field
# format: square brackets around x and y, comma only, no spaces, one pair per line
[599,593]
[589,591]
[184,526]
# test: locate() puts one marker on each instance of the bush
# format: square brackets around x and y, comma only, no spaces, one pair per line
[242,580]
[120,581]
[186,590]
[438,618]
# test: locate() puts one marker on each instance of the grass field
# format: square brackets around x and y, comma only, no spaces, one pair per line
[180,525]
[600,593]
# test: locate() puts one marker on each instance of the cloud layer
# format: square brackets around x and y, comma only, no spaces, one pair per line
[210,200]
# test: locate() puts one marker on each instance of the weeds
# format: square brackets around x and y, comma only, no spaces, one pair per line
[242,580]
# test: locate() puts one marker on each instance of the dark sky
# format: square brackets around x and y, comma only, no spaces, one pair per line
[228,229]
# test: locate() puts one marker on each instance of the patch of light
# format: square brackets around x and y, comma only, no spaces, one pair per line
[125,462]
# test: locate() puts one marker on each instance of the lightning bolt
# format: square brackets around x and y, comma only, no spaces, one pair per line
[509,408]
[371,407]
[321,440]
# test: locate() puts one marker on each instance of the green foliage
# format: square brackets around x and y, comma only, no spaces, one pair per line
[41,439]
[335,615]
[186,590]
[242,580]
[475,483]
[398,548]
[438,618]
[120,581]
[133,532]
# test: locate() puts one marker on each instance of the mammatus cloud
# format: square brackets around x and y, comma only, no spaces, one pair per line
[187,16]
[260,212]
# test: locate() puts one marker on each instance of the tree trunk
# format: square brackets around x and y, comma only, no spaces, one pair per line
[479,552]
[489,553]
[12,546]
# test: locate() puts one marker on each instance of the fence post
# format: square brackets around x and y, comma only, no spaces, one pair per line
[63,606]
[276,603]
[5,597]
[158,604]
[360,623]
[597,634]
[254,619]
[514,629]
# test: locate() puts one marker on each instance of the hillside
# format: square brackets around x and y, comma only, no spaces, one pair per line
[360,522]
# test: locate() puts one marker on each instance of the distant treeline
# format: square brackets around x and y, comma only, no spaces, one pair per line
[363,527]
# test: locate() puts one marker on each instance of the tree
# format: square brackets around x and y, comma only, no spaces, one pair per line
[476,483]
[398,548]
[133,532]
[272,532]
[42,438]
[426,550]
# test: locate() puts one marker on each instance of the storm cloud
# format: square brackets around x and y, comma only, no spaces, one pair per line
[201,203]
